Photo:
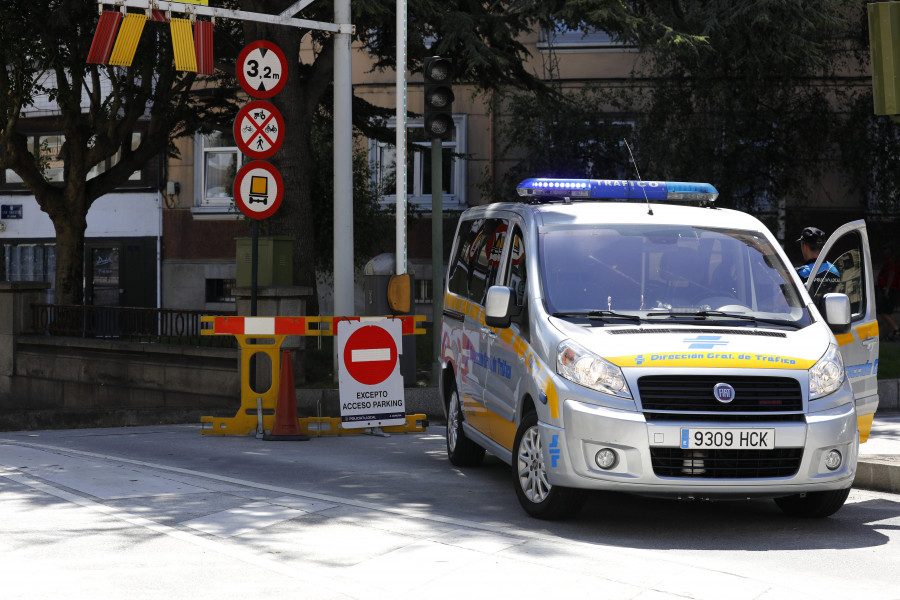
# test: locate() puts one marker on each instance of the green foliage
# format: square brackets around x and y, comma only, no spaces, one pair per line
[888,361]
[373,223]
[762,102]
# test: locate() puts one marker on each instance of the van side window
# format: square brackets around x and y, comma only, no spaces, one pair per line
[517,279]
[475,265]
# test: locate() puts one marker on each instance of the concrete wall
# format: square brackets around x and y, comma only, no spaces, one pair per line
[889,395]
[72,382]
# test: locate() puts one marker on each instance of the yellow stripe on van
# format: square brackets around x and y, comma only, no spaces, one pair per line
[864,424]
[716,360]
[868,330]
[552,397]
[844,338]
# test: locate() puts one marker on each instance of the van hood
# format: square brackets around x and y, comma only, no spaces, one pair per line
[692,346]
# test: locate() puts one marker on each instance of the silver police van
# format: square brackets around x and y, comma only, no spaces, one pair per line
[630,336]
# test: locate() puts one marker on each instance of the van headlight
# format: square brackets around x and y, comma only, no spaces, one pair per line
[827,375]
[583,367]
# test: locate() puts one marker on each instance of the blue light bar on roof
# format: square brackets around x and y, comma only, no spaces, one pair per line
[621,189]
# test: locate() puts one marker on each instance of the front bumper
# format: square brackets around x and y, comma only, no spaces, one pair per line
[569,453]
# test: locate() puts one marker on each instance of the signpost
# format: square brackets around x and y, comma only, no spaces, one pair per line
[371,387]
[259,129]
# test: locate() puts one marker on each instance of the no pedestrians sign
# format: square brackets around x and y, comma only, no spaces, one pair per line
[371,387]
[259,129]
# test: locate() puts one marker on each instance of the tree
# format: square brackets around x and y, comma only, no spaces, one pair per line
[761,108]
[482,37]
[44,46]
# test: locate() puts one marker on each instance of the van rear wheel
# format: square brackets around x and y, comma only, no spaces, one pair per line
[461,451]
[813,505]
[537,496]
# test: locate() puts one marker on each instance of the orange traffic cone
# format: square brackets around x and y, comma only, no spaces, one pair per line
[287,427]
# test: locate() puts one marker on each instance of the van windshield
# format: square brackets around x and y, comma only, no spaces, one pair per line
[664,270]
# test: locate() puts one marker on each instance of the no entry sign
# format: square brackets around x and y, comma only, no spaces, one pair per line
[259,129]
[371,388]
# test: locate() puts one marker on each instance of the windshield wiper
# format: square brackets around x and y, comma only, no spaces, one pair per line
[703,314]
[596,314]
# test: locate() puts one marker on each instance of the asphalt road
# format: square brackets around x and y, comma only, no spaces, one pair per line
[154,512]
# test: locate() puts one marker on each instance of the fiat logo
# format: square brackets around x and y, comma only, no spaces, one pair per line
[723,392]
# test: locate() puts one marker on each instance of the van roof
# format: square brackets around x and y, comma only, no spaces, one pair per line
[600,212]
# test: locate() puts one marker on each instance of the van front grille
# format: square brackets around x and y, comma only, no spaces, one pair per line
[691,393]
[726,464]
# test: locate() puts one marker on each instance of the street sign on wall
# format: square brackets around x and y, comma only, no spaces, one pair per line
[371,387]
[258,189]
[262,69]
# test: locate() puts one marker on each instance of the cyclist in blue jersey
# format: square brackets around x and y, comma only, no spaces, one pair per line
[812,239]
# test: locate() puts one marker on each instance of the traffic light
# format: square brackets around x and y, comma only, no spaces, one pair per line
[438,73]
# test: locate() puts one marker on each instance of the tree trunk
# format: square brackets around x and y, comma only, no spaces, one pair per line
[70,228]
[297,102]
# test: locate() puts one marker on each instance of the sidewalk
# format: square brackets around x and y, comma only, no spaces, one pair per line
[879,457]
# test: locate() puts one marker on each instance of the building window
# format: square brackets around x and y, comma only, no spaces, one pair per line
[423,291]
[112,161]
[219,160]
[565,39]
[382,158]
[47,146]
[220,290]
[29,262]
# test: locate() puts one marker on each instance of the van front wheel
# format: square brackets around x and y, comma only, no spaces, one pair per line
[815,505]
[537,496]
[461,451]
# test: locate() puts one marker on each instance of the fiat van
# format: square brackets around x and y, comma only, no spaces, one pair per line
[632,336]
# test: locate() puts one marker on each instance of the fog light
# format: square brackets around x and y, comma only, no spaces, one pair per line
[833,460]
[606,459]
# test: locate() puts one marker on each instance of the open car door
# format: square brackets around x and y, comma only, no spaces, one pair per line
[848,251]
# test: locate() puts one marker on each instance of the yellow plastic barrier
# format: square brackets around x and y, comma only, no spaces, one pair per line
[265,335]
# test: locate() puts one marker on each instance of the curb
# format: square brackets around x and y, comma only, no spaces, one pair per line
[878,473]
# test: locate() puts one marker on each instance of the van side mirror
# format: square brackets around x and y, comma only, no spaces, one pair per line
[498,306]
[836,310]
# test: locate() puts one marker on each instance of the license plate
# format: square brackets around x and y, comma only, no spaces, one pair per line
[721,438]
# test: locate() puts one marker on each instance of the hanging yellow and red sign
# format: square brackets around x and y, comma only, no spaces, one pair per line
[117,35]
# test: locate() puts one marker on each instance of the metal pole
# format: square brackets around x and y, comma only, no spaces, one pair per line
[343,173]
[343,167]
[254,275]
[254,264]
[437,252]
[401,138]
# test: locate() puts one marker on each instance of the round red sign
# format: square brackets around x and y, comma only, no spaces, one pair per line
[258,129]
[262,69]
[370,355]
[258,189]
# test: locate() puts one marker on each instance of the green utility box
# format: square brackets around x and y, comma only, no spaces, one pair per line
[275,263]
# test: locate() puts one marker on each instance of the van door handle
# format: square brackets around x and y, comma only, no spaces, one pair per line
[486,331]
[869,342]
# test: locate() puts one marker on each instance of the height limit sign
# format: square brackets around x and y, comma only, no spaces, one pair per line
[262,69]
[371,387]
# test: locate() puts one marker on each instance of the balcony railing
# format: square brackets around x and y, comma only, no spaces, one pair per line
[156,325]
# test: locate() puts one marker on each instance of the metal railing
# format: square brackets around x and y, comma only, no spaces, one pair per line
[155,325]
